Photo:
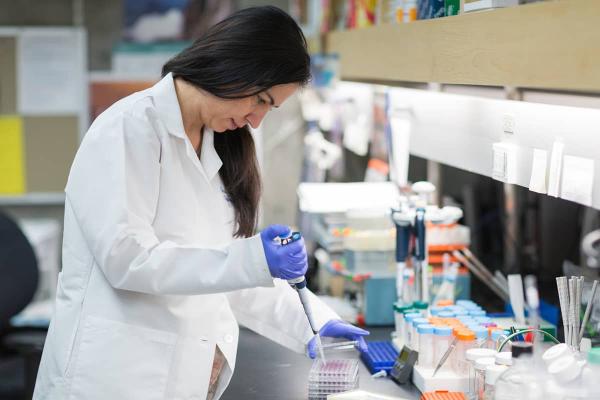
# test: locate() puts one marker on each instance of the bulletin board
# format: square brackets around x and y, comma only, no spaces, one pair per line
[43,107]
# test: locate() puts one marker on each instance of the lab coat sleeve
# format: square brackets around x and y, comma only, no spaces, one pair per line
[277,314]
[113,189]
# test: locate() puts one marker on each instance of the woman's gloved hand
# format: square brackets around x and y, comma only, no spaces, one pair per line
[285,262]
[338,329]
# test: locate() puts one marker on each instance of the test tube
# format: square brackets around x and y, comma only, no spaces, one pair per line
[399,319]
[481,335]
[441,341]
[414,334]
[466,341]
[495,335]
[480,367]
[426,349]
[408,318]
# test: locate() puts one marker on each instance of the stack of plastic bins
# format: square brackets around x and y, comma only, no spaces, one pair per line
[332,376]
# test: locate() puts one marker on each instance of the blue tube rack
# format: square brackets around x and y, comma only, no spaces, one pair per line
[379,357]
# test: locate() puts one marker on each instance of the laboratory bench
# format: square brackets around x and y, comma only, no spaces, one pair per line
[267,371]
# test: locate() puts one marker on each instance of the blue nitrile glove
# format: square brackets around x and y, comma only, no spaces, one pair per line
[339,329]
[285,261]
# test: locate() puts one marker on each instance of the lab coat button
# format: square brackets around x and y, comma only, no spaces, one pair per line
[228,338]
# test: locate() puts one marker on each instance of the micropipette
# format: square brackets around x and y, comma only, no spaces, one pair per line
[299,284]
[445,356]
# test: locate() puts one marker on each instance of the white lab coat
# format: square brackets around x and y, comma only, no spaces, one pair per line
[152,279]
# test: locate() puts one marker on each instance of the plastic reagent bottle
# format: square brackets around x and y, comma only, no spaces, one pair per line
[521,381]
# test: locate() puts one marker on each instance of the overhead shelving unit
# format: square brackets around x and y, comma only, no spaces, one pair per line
[550,45]
[535,67]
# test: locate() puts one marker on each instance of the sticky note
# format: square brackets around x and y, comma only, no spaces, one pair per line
[12,169]
[577,180]
[556,160]
[537,182]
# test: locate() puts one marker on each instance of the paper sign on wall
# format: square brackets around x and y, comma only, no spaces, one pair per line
[577,180]
[52,65]
[538,171]
[556,160]
[400,138]
[12,170]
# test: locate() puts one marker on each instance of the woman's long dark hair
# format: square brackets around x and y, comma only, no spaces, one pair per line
[250,51]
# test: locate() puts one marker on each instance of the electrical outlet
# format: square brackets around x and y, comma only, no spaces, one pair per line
[508,124]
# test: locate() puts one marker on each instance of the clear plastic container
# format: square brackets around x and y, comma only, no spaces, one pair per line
[332,376]
[472,356]
[480,367]
[399,318]
[591,374]
[466,341]
[481,335]
[492,373]
[442,337]
[521,381]
[555,352]
[504,358]
[414,334]
[426,349]
[494,335]
[408,318]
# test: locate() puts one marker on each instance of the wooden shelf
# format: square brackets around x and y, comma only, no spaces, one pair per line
[552,45]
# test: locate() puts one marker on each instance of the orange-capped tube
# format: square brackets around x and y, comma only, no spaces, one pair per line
[466,341]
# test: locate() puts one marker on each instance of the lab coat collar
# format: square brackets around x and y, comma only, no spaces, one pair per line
[210,160]
[167,105]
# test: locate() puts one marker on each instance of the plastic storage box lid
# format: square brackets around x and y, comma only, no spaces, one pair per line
[443,395]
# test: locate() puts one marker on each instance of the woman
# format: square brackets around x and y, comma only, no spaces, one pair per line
[159,258]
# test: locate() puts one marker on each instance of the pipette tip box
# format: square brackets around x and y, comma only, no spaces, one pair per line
[331,376]
[380,356]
